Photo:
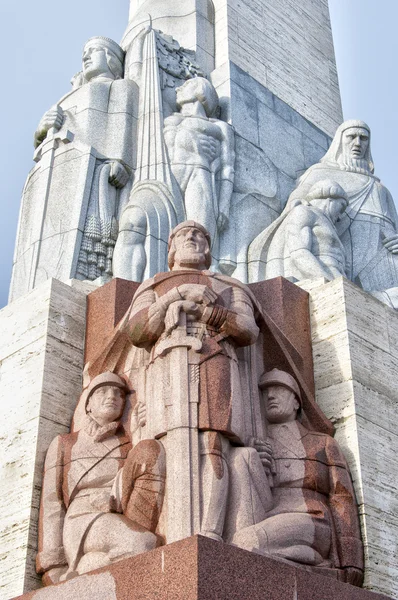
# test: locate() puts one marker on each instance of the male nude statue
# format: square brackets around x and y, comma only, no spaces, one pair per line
[201,154]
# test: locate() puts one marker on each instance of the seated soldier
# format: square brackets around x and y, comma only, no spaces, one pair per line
[101,499]
[314,517]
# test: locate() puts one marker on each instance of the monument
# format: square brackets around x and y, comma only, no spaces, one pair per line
[204,344]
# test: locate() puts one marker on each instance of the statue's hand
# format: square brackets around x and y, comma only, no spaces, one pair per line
[264,450]
[353,576]
[53,118]
[391,243]
[208,146]
[53,576]
[173,313]
[201,294]
[222,221]
[119,175]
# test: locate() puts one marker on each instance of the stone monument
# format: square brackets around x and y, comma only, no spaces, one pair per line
[197,382]
[202,372]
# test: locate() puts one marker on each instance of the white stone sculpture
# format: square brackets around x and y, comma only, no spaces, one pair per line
[305,243]
[85,156]
[202,155]
[185,162]
[369,227]
[155,206]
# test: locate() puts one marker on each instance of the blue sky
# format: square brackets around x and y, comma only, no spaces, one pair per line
[42,43]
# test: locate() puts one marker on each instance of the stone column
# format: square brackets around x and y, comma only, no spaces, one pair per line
[41,362]
[190,22]
[355,351]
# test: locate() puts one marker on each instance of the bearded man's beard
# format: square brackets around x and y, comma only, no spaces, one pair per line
[357,165]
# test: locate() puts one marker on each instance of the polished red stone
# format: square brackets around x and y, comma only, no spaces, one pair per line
[199,568]
[105,308]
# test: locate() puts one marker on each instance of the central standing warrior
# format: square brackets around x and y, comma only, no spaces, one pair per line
[212,315]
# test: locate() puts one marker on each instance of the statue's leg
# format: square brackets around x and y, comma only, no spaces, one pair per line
[113,537]
[249,496]
[143,488]
[214,450]
[129,258]
[200,203]
[294,536]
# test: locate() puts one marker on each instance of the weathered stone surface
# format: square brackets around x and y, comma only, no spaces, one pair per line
[41,360]
[355,356]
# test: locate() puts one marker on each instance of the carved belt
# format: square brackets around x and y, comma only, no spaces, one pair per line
[201,330]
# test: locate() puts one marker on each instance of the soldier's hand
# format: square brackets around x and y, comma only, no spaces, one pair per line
[264,450]
[119,175]
[197,293]
[391,243]
[173,313]
[53,118]
[53,576]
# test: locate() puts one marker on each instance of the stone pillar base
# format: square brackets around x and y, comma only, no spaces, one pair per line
[355,352]
[199,568]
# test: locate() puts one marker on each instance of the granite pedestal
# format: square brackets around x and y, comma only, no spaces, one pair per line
[198,568]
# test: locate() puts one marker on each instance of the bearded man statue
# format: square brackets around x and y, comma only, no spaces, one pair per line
[368,227]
